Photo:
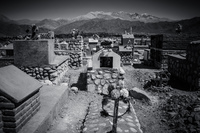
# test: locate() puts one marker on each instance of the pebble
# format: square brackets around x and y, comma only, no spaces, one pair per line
[102,124]
[128,119]
[133,130]
[131,124]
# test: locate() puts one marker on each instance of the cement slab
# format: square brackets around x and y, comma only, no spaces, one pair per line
[16,85]
[52,99]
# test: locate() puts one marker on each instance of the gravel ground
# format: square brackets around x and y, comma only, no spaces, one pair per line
[151,116]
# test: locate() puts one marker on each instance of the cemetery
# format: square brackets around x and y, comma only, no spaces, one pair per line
[44,78]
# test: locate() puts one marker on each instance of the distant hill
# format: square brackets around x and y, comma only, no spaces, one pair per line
[144,17]
[27,21]
[12,28]
[94,22]
[119,26]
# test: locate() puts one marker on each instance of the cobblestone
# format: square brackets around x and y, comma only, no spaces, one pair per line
[127,124]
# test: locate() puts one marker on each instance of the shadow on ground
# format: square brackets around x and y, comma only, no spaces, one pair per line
[82,82]
[143,66]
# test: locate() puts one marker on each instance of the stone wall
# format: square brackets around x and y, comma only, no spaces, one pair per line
[98,80]
[61,52]
[126,57]
[75,59]
[6,61]
[47,74]
[14,117]
[184,71]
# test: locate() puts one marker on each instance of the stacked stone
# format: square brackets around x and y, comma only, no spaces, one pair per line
[98,80]
[185,71]
[51,73]
[75,59]
[126,58]
[14,117]
[75,45]
[60,53]
[49,35]
[183,113]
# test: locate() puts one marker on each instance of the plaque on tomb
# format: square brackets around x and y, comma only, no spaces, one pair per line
[16,85]
[106,59]
[106,62]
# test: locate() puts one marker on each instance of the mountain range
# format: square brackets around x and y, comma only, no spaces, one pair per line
[93,22]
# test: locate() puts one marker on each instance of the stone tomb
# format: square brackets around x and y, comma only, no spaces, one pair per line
[34,52]
[105,72]
[106,59]
[19,98]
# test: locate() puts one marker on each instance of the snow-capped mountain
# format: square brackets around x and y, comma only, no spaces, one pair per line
[120,15]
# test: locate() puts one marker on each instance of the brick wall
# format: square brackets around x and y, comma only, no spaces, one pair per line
[14,117]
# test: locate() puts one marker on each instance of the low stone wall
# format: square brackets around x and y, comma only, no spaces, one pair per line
[61,52]
[6,62]
[98,80]
[47,74]
[126,57]
[14,117]
[75,59]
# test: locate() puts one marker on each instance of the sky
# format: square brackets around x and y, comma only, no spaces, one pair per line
[54,9]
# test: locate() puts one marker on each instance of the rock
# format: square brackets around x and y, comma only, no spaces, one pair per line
[114,75]
[139,94]
[103,82]
[48,82]
[99,76]
[47,68]
[105,89]
[64,84]
[107,76]
[74,89]
[100,72]
[93,76]
[99,89]
[97,81]
[112,80]
[121,71]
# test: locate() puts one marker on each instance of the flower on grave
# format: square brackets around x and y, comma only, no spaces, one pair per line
[124,93]
[115,94]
